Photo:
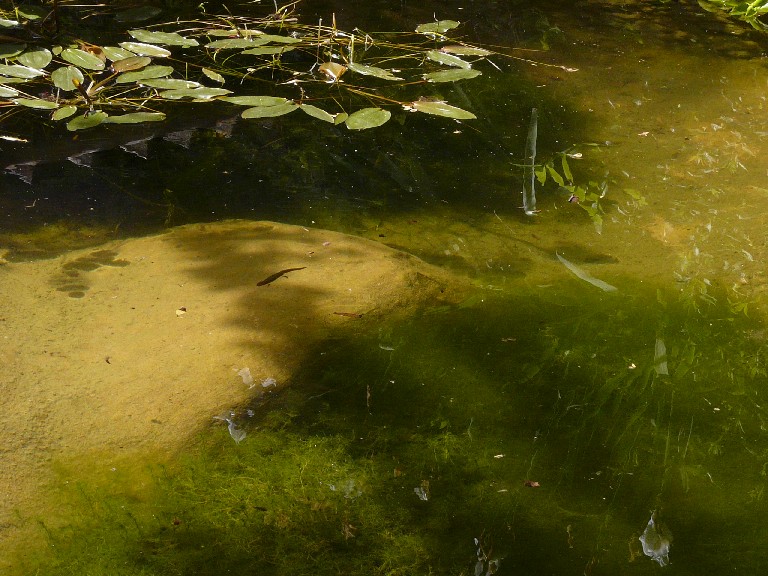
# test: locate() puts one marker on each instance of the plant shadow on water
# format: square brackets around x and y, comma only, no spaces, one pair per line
[537,431]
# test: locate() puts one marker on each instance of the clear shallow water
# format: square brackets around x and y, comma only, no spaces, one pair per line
[539,377]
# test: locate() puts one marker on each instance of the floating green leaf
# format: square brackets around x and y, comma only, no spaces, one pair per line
[255,100]
[16,71]
[145,49]
[215,76]
[82,59]
[8,23]
[115,54]
[169,83]
[64,112]
[233,43]
[441,109]
[447,59]
[87,120]
[135,118]
[11,50]
[372,71]
[267,50]
[36,103]
[451,75]
[36,58]
[439,28]
[318,113]
[148,73]
[67,77]
[203,93]
[6,92]
[131,63]
[465,50]
[265,38]
[368,118]
[269,111]
[167,38]
[340,118]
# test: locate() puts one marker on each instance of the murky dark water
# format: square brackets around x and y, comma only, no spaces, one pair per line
[540,423]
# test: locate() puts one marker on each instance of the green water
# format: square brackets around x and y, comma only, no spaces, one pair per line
[405,447]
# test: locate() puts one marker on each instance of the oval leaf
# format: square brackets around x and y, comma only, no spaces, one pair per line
[278,39]
[437,28]
[11,50]
[135,118]
[36,103]
[64,112]
[86,121]
[131,63]
[145,49]
[114,53]
[215,76]
[66,77]
[203,93]
[318,113]
[16,71]
[368,118]
[167,38]
[169,83]
[441,109]
[447,59]
[267,50]
[269,111]
[36,58]
[232,43]
[372,71]
[6,92]
[82,59]
[255,100]
[451,75]
[465,50]
[148,73]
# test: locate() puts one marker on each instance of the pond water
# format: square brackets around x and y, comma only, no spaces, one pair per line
[536,424]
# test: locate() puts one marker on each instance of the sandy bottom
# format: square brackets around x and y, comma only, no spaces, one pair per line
[134,346]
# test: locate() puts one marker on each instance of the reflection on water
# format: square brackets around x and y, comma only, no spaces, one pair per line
[533,427]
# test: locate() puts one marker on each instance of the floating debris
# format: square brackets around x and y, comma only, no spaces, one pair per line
[529,169]
[656,540]
[660,358]
[245,374]
[268,382]
[238,434]
[585,275]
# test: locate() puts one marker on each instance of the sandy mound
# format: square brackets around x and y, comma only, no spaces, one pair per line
[137,344]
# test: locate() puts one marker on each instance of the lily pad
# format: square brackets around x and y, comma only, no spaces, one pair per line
[147,73]
[279,39]
[441,109]
[448,59]
[82,59]
[143,49]
[318,113]
[269,111]
[368,118]
[4,23]
[167,38]
[36,103]
[64,112]
[11,50]
[131,63]
[267,50]
[451,75]
[215,76]
[372,71]
[17,71]
[169,83]
[202,93]
[88,120]
[135,118]
[67,77]
[36,58]
[6,92]
[465,50]
[114,53]
[255,100]
[233,43]
[437,28]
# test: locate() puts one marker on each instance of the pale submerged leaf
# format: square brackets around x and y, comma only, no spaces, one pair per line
[372,71]
[368,118]
[447,59]
[451,75]
[441,109]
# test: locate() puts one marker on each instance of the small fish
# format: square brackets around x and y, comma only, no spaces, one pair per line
[349,314]
[276,275]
